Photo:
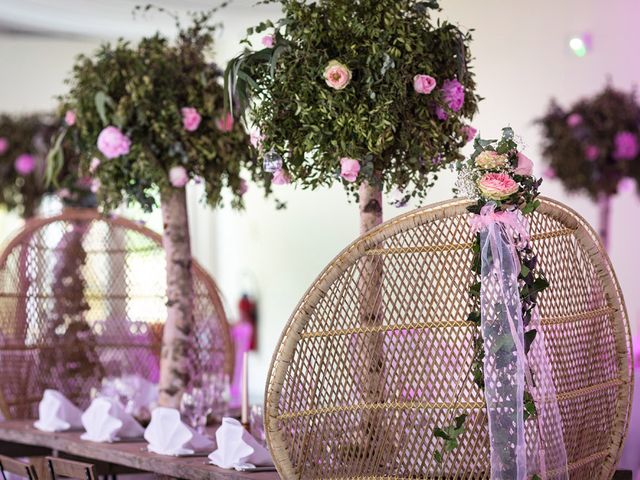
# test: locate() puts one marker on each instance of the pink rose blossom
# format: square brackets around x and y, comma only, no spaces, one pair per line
[244,187]
[70,118]
[225,124]
[424,84]
[25,164]
[574,120]
[497,186]
[113,143]
[525,165]
[469,133]
[256,138]
[280,177]
[268,41]
[337,75]
[93,166]
[626,185]
[349,169]
[190,119]
[491,160]
[453,94]
[441,114]
[549,173]
[178,176]
[591,152]
[626,146]
[95,185]
[4,145]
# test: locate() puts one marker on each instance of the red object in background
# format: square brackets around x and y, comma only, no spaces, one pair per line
[249,313]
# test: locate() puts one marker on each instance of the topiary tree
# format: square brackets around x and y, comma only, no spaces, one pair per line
[150,117]
[369,93]
[24,140]
[593,147]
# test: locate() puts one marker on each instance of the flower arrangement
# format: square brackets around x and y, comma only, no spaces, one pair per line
[594,147]
[149,118]
[23,144]
[499,179]
[371,92]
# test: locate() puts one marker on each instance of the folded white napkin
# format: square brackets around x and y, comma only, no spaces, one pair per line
[141,394]
[106,421]
[168,435]
[57,414]
[236,447]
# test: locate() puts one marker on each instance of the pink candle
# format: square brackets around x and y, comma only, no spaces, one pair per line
[245,389]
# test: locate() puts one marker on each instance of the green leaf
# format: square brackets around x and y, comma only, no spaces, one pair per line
[438,432]
[438,456]
[524,270]
[529,337]
[102,100]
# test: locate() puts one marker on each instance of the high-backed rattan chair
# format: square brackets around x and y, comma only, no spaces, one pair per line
[378,353]
[82,297]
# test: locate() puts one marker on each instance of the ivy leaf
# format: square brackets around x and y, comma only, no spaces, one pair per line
[102,100]
[529,337]
[438,432]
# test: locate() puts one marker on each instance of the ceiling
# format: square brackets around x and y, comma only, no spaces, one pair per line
[105,18]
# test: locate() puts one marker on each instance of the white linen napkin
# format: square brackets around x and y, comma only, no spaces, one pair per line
[236,447]
[106,421]
[57,414]
[168,435]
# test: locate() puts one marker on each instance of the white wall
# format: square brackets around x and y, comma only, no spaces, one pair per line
[522,60]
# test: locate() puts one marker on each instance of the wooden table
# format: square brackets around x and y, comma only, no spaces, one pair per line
[128,454]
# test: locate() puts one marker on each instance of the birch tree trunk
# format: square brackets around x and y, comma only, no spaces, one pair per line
[178,328]
[372,315]
[604,204]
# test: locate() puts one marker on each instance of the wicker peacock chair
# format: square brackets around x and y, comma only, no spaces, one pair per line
[82,297]
[332,412]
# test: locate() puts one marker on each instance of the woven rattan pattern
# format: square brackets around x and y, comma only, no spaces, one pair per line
[81,298]
[322,424]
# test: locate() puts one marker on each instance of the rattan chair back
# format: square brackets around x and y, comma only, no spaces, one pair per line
[378,353]
[82,297]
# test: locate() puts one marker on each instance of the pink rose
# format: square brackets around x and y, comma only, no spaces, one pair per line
[4,145]
[469,133]
[491,160]
[591,152]
[626,185]
[95,185]
[424,84]
[178,176]
[93,166]
[574,119]
[268,41]
[525,166]
[113,143]
[349,169]
[70,118]
[497,186]
[225,124]
[190,119]
[281,177]
[549,173]
[337,75]
[25,164]
[244,187]
[256,138]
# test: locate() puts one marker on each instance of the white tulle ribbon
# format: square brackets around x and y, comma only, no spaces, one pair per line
[506,370]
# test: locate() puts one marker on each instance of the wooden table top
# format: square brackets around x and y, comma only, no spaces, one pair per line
[129,454]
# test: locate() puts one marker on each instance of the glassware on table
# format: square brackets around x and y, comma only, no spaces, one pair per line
[217,389]
[256,424]
[193,409]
